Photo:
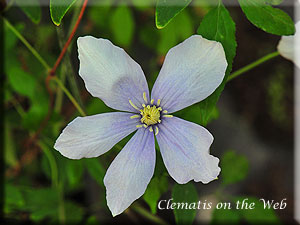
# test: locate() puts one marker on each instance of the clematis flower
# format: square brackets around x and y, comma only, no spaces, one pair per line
[192,71]
[289,46]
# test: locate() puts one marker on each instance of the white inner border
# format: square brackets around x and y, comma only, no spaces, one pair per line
[297,123]
[296,79]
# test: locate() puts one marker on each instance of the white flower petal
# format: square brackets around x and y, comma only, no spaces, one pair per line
[289,46]
[111,74]
[129,174]
[185,151]
[91,136]
[191,72]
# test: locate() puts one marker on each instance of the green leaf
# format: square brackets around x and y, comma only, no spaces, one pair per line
[38,110]
[274,2]
[234,167]
[122,25]
[74,213]
[31,8]
[166,10]
[9,145]
[13,198]
[258,215]
[267,18]
[95,169]
[179,29]
[22,82]
[217,25]
[58,9]
[74,170]
[225,216]
[155,189]
[40,203]
[185,194]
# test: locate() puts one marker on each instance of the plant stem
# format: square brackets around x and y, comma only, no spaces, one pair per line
[69,95]
[52,163]
[26,43]
[61,202]
[52,72]
[59,91]
[18,107]
[54,179]
[148,215]
[68,67]
[252,65]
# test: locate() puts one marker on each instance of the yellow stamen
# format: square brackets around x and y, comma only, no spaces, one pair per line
[139,126]
[159,108]
[145,97]
[151,129]
[145,126]
[159,121]
[152,100]
[168,116]
[165,111]
[133,105]
[158,102]
[150,115]
[156,130]
[135,116]
[144,105]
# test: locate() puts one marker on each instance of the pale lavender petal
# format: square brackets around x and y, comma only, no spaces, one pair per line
[91,136]
[129,174]
[289,46]
[111,74]
[185,151]
[191,72]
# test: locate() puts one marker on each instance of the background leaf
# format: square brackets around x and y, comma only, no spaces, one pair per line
[21,82]
[122,25]
[258,215]
[267,18]
[234,167]
[58,9]
[225,216]
[166,10]
[155,189]
[274,2]
[184,193]
[95,169]
[32,9]
[217,25]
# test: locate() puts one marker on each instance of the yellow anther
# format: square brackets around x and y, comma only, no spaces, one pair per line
[159,108]
[145,126]
[144,105]
[135,116]
[168,116]
[158,102]
[159,121]
[151,129]
[156,130]
[133,105]
[145,97]
[152,100]
[165,111]
[139,126]
[150,115]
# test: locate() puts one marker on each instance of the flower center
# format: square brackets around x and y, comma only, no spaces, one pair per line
[150,115]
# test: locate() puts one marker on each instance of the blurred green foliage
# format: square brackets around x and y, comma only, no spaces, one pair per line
[234,167]
[185,194]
